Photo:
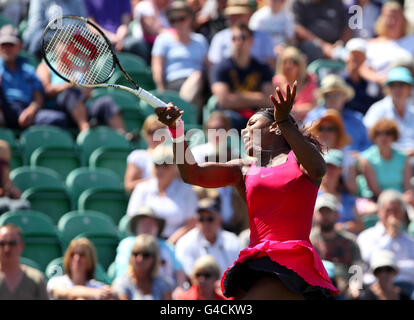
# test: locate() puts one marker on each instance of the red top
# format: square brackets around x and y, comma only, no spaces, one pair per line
[280,202]
[192,294]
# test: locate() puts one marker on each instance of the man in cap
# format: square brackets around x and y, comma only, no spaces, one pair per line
[145,221]
[398,106]
[366,93]
[335,93]
[208,237]
[339,247]
[239,11]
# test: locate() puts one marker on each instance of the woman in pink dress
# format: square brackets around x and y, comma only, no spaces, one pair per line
[280,188]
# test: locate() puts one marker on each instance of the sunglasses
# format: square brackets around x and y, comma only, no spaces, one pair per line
[333,95]
[206,275]
[243,37]
[384,133]
[11,243]
[80,254]
[386,269]
[144,254]
[327,129]
[163,165]
[397,84]
[209,219]
[178,19]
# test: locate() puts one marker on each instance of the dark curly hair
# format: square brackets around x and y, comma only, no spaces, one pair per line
[269,113]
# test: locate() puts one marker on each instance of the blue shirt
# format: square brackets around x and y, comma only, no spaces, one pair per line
[353,126]
[181,60]
[126,286]
[108,13]
[19,86]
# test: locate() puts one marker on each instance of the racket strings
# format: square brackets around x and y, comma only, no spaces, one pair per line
[79,54]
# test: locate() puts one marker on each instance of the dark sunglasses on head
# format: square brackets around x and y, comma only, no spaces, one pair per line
[206,275]
[177,20]
[387,269]
[208,219]
[11,243]
[243,37]
[144,254]
[327,129]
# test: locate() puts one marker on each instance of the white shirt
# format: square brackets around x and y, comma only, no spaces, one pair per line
[176,207]
[280,25]
[65,282]
[146,9]
[375,238]
[193,245]
[143,160]
[384,109]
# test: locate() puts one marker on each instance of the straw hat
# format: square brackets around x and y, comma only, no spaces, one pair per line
[333,82]
[237,7]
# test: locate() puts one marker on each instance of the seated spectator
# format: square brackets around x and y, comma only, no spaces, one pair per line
[143,280]
[39,15]
[78,283]
[291,66]
[398,106]
[9,194]
[317,31]
[113,17]
[179,57]
[389,234]
[207,237]
[241,83]
[333,182]
[384,268]
[371,10]
[204,278]
[392,43]
[166,193]
[139,162]
[145,221]
[67,102]
[366,92]
[17,281]
[274,19]
[212,18]
[149,21]
[335,93]
[383,166]
[239,12]
[332,243]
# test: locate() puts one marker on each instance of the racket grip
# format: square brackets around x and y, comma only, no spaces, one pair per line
[150,98]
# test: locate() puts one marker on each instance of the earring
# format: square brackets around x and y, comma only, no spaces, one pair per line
[278,132]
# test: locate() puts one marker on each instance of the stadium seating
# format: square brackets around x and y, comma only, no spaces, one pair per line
[95,226]
[131,62]
[82,179]
[16,157]
[370,220]
[35,177]
[113,158]
[123,227]
[89,141]
[55,268]
[30,263]
[322,67]
[142,78]
[39,233]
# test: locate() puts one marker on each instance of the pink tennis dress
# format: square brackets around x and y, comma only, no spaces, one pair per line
[280,202]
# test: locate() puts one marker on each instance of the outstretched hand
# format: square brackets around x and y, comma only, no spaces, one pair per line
[168,115]
[283,107]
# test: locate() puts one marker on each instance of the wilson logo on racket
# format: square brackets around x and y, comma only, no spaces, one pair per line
[83,58]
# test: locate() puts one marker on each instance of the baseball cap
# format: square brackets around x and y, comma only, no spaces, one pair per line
[208,204]
[327,200]
[356,44]
[334,157]
[400,74]
[9,34]
[383,258]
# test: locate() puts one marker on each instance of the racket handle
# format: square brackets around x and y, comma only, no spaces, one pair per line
[150,98]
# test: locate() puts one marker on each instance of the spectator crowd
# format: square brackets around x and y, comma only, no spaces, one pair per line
[218,60]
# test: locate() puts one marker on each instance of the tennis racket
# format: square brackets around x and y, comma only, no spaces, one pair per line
[79,52]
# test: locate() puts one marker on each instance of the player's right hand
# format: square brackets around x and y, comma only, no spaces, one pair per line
[168,115]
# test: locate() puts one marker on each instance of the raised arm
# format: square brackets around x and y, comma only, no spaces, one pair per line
[306,153]
[209,174]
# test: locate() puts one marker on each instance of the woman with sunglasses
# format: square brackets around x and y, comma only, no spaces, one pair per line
[279,182]
[204,277]
[142,281]
[78,282]
[382,165]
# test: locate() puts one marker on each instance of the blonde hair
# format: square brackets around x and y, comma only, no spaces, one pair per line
[146,242]
[206,263]
[90,254]
[380,23]
[297,56]
[150,122]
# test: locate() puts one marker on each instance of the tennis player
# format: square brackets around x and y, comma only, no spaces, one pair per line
[280,190]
